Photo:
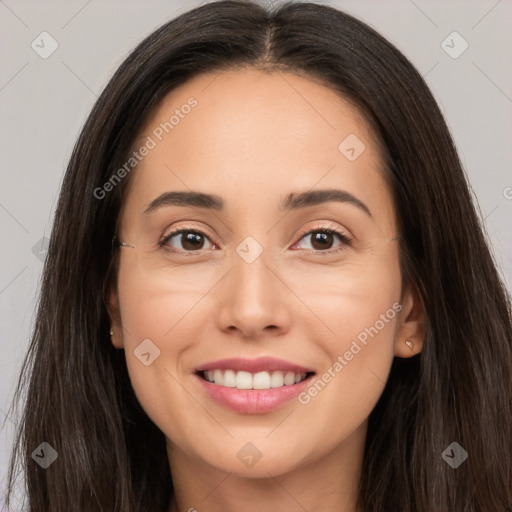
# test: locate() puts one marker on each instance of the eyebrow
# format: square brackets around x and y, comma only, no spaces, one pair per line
[291,201]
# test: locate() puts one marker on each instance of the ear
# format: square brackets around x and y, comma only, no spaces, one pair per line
[115,318]
[411,324]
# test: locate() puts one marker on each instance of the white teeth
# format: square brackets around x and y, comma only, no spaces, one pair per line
[217,375]
[229,379]
[243,380]
[247,380]
[289,379]
[276,379]
[261,380]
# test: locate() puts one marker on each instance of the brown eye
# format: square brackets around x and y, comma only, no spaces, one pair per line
[322,240]
[186,240]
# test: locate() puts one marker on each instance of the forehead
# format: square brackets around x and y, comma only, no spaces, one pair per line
[248,103]
[247,132]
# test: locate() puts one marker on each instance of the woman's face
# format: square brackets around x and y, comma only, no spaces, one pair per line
[249,284]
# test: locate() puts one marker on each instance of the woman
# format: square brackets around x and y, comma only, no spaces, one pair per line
[267,287]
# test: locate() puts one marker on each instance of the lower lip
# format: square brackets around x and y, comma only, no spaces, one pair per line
[253,401]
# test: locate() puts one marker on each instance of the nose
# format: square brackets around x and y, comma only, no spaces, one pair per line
[254,300]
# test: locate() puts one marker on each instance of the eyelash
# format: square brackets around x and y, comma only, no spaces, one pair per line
[346,241]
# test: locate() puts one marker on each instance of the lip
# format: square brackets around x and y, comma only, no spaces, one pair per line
[260,364]
[253,401]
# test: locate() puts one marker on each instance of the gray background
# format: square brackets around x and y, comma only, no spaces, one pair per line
[44,102]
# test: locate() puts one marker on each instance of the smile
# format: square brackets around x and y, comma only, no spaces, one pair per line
[252,386]
[247,380]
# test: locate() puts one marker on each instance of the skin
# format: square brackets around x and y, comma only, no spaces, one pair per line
[252,139]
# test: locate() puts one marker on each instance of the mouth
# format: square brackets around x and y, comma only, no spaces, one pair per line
[247,380]
[253,386]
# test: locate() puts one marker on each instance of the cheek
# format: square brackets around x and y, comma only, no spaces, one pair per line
[359,310]
[171,310]
[344,394]
[347,299]
[160,302]
[151,317]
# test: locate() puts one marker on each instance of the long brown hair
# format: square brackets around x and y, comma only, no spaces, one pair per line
[111,457]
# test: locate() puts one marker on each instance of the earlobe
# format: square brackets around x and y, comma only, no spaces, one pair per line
[116,331]
[410,334]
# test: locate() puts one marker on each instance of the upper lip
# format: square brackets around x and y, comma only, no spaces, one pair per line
[260,364]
